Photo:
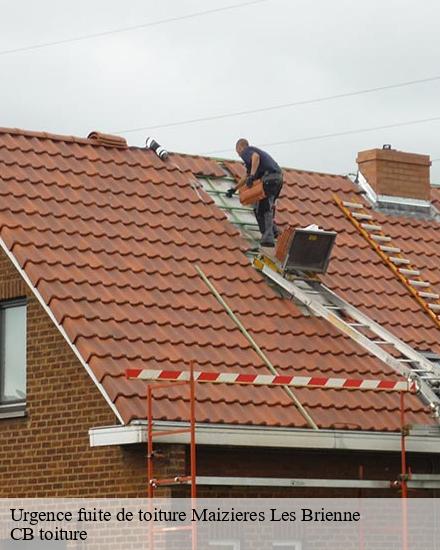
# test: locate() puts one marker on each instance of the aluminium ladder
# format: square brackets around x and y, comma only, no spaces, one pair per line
[323,302]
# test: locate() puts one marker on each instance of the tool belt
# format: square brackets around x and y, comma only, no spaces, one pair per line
[270,177]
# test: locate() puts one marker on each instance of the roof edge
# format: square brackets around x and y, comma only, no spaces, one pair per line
[60,328]
[87,141]
[119,140]
[44,135]
[256,436]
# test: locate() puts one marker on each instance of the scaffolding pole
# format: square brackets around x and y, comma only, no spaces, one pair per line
[153,482]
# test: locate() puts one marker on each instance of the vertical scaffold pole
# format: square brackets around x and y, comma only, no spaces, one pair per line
[193,461]
[404,474]
[193,430]
[150,441]
[150,488]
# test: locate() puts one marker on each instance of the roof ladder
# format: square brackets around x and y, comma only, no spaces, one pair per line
[349,320]
[240,216]
[393,257]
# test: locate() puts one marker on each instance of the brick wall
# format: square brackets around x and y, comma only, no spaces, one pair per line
[396,173]
[320,464]
[47,453]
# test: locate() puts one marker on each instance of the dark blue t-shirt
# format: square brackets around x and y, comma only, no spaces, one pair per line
[267,164]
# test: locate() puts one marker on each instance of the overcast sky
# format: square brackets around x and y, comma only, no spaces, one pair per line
[258,55]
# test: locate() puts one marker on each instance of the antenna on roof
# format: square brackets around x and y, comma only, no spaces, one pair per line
[151,143]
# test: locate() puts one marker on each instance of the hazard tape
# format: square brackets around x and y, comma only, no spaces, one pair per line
[274,380]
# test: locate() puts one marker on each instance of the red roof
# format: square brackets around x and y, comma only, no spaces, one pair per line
[109,237]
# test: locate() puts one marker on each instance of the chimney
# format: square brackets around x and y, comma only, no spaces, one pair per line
[391,173]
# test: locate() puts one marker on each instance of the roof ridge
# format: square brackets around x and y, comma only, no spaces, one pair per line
[46,135]
[94,142]
[94,138]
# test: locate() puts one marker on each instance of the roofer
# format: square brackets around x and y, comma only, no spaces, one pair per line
[260,165]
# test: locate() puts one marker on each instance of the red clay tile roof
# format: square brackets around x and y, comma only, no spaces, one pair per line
[109,237]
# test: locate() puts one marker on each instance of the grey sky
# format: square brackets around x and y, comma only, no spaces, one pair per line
[278,51]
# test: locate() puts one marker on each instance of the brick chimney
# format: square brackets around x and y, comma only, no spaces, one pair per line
[395,173]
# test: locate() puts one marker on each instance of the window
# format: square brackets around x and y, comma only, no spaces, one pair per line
[12,352]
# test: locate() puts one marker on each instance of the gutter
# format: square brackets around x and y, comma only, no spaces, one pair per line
[418,441]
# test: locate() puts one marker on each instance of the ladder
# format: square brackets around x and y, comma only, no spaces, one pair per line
[240,216]
[323,302]
[392,256]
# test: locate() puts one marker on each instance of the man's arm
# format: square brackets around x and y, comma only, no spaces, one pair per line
[249,178]
[255,163]
[233,190]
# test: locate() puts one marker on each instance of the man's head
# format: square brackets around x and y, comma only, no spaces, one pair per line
[241,145]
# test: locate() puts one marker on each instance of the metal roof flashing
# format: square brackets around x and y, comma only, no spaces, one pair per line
[398,206]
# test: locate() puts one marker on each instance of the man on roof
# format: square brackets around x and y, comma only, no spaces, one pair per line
[260,165]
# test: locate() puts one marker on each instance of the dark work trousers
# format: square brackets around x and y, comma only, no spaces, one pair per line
[265,209]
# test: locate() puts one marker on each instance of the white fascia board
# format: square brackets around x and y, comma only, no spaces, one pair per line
[60,328]
[253,436]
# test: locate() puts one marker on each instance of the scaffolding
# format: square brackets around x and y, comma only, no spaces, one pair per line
[170,378]
[178,378]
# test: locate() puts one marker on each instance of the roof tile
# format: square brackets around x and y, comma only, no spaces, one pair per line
[110,237]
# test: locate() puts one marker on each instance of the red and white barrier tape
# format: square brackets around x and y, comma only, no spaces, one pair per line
[272,380]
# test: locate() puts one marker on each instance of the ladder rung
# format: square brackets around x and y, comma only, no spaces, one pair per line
[235,208]
[178,480]
[331,306]
[408,360]
[399,261]
[382,342]
[246,224]
[420,370]
[371,227]
[409,272]
[381,238]
[431,295]
[361,216]
[352,204]
[390,249]
[434,307]
[357,325]
[414,282]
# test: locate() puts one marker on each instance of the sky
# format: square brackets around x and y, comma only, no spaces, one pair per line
[177,66]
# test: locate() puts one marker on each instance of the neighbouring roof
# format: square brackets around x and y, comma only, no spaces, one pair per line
[109,237]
